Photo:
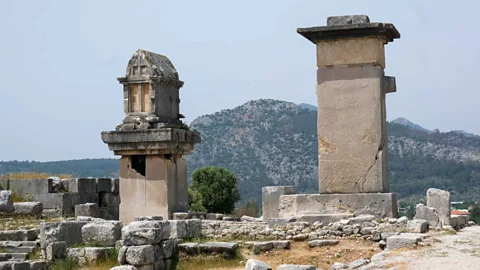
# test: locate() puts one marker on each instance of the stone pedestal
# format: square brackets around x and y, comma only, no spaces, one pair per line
[271,200]
[151,140]
[352,139]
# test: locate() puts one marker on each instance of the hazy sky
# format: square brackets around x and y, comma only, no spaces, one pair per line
[60,60]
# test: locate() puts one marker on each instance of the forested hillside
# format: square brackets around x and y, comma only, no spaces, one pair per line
[269,142]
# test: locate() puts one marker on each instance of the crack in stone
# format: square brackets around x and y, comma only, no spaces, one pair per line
[380,148]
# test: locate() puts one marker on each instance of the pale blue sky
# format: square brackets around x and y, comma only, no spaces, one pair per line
[60,60]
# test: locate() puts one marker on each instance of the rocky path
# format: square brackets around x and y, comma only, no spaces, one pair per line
[459,251]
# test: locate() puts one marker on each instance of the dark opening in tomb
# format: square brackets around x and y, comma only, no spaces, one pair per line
[138,164]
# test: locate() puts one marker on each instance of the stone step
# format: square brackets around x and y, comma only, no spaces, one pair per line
[17,249]
[15,256]
[5,257]
[19,243]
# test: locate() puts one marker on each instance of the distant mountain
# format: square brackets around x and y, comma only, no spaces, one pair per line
[308,106]
[406,122]
[271,142]
[466,134]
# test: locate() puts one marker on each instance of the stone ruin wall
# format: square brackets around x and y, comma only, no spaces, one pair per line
[59,196]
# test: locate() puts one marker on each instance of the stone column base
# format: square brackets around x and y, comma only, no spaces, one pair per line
[377,204]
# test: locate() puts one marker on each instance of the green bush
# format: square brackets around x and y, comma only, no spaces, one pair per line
[215,189]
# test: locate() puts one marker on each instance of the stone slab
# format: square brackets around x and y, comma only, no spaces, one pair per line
[271,199]
[377,204]
[83,185]
[440,200]
[31,186]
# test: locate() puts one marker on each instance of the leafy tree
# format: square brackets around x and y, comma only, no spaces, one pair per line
[215,189]
[195,201]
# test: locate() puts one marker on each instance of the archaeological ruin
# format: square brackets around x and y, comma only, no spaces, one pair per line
[142,218]
[151,140]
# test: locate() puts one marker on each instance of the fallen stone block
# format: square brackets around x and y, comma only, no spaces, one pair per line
[323,218]
[218,248]
[31,186]
[417,226]
[253,264]
[70,232]
[56,250]
[6,201]
[124,267]
[295,267]
[360,219]
[259,247]
[104,233]
[87,210]
[429,214]
[188,248]
[28,208]
[89,255]
[38,264]
[248,219]
[338,266]
[403,241]
[140,255]
[322,243]
[440,200]
[358,263]
[144,236]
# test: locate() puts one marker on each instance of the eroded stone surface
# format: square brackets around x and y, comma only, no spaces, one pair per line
[440,200]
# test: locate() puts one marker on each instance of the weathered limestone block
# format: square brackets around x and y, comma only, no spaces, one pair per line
[440,200]
[218,248]
[109,199]
[178,229]
[322,243]
[338,266]
[377,204]
[89,255]
[6,201]
[403,240]
[429,214]
[63,202]
[124,267]
[295,267]
[347,19]
[188,248]
[39,264]
[32,186]
[169,248]
[70,232]
[28,208]
[56,250]
[271,200]
[358,263]
[83,185]
[19,235]
[87,210]
[253,264]
[194,228]
[104,185]
[417,226]
[14,265]
[102,233]
[140,255]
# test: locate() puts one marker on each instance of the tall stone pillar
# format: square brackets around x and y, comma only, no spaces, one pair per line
[151,140]
[351,88]
[352,139]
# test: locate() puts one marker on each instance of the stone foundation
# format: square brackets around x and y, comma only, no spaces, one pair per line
[271,200]
[377,204]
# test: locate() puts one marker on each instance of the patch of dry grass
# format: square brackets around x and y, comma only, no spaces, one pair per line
[30,175]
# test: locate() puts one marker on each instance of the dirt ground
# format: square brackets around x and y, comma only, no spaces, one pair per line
[459,251]
[299,253]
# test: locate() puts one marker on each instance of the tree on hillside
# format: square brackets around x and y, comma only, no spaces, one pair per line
[215,189]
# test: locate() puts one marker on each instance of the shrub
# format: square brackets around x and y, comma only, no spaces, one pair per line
[215,189]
